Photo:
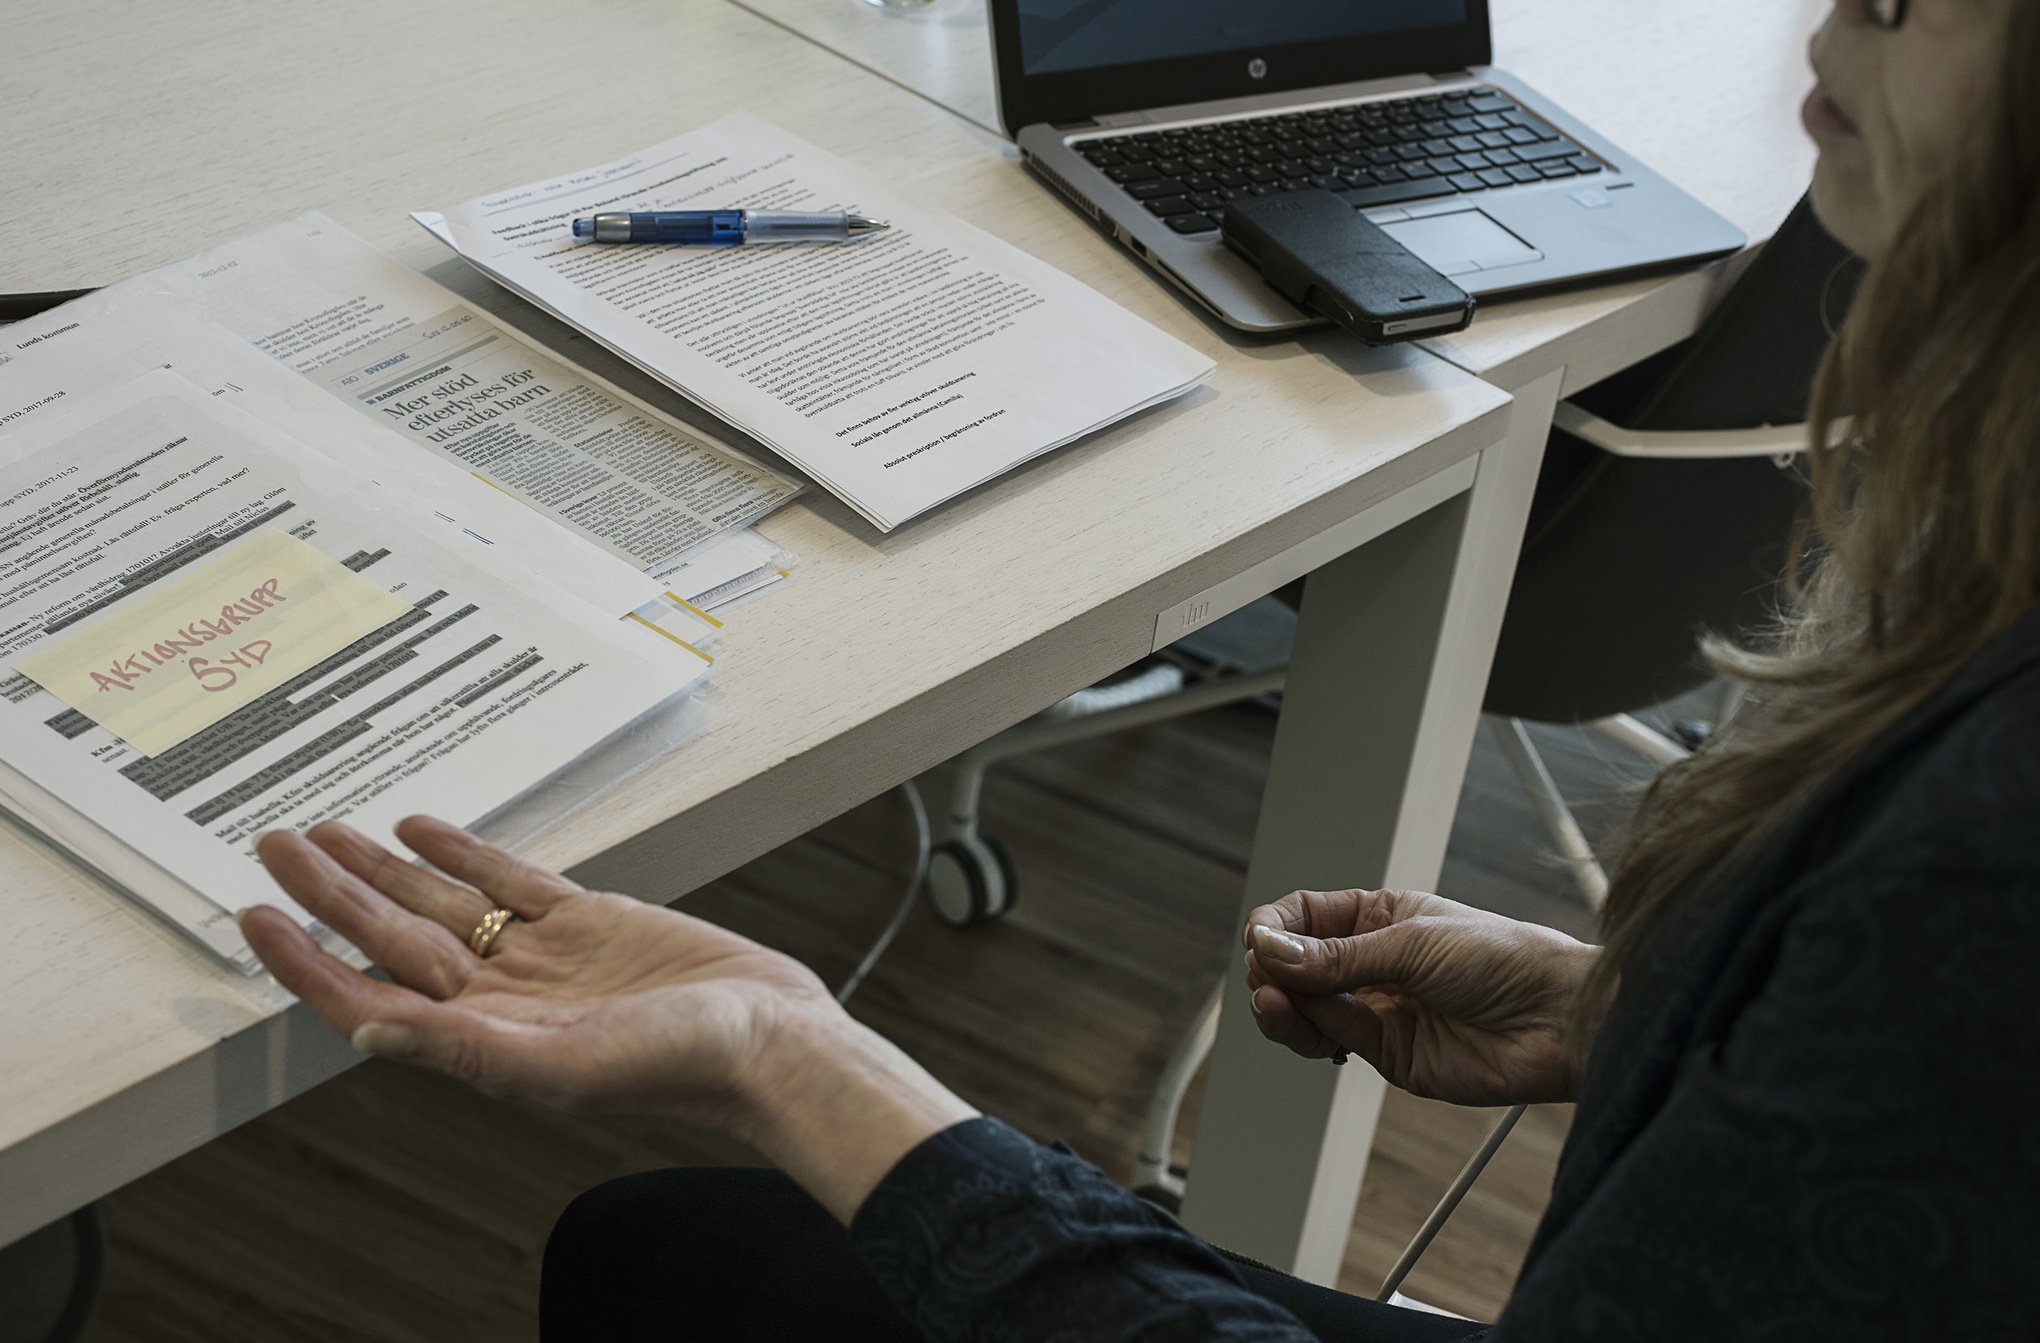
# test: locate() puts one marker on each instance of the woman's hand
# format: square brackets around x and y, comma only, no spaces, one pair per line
[1445,1000]
[593,1002]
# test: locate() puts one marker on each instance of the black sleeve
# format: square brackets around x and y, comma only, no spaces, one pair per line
[979,1233]
[1858,1155]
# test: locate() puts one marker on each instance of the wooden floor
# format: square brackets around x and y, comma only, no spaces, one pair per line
[391,1205]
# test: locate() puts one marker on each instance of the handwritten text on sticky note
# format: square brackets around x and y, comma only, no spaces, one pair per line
[191,650]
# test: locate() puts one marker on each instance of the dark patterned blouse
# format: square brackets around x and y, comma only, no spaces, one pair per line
[1813,1113]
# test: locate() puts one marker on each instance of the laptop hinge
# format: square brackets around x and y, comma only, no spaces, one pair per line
[1259,102]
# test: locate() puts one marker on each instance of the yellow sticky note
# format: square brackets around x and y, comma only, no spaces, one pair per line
[191,650]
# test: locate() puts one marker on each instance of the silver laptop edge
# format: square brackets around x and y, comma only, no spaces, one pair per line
[1623,218]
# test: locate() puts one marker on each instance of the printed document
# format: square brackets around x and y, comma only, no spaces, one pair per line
[210,629]
[900,369]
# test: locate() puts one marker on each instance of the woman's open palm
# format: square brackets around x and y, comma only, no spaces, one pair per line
[1445,1000]
[588,1001]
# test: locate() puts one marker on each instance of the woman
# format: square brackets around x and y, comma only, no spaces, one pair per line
[1800,1059]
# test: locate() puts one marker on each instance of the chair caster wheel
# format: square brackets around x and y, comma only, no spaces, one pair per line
[971,881]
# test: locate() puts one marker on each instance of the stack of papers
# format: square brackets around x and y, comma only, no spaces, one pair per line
[213,629]
[288,534]
[899,370]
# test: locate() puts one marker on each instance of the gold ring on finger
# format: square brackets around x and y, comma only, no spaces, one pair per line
[485,933]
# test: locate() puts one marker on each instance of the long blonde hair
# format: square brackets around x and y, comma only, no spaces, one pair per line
[1923,543]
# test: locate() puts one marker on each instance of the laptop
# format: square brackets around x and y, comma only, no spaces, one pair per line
[1150,115]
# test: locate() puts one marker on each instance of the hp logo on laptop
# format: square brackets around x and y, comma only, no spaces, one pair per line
[1257,68]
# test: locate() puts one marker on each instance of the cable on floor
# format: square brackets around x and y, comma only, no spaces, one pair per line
[924,846]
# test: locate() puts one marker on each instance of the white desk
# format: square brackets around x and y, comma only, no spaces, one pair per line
[153,132]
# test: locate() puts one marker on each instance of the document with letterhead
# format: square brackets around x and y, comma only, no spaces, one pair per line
[209,629]
[899,369]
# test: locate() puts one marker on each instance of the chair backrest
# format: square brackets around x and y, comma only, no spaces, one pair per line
[1626,561]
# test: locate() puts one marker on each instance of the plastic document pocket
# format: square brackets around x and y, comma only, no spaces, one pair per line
[186,653]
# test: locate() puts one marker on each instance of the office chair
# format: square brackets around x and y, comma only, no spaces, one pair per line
[1666,501]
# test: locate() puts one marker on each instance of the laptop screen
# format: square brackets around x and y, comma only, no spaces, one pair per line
[1063,61]
[1060,35]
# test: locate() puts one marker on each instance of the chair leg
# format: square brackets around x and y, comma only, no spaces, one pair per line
[1157,683]
[1154,683]
[1449,1204]
[965,790]
[1149,698]
[1649,743]
[1733,692]
[1514,739]
[1152,1177]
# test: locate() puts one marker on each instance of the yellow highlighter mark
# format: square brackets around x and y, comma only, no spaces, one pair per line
[674,637]
[697,610]
[186,652]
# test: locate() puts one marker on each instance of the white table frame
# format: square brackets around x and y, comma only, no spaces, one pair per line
[883,656]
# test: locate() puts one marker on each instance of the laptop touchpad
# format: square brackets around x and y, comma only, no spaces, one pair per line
[1463,241]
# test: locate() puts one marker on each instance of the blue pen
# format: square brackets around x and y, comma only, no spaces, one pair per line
[726,228]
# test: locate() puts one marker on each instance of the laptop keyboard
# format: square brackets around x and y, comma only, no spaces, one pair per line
[1378,153]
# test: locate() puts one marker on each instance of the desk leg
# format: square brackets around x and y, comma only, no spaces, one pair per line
[1385,683]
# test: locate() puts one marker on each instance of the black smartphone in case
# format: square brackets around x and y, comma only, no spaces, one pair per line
[1326,257]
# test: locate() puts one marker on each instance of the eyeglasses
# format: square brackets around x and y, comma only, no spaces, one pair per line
[1886,14]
